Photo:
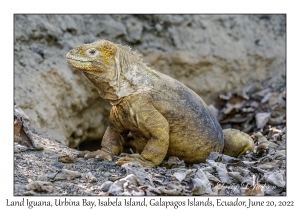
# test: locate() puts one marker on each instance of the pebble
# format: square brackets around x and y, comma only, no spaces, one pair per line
[105,186]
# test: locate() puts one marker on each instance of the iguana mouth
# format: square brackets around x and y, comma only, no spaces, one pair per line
[70,58]
[79,61]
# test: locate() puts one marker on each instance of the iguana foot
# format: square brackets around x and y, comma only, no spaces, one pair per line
[134,158]
[99,154]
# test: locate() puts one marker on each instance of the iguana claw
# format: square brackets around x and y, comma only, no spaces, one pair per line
[134,158]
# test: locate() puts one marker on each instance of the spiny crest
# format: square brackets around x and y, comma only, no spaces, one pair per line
[132,57]
[108,51]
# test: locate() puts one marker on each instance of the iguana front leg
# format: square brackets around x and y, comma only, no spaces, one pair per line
[112,142]
[148,119]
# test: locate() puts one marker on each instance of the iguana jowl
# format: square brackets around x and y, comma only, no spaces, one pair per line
[165,117]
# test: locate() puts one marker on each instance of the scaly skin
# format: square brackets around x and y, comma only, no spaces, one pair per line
[164,116]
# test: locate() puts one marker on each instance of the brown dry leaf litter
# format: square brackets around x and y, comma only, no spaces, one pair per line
[253,109]
[253,174]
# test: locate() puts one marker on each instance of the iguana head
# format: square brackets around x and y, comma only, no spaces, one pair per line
[114,69]
[95,57]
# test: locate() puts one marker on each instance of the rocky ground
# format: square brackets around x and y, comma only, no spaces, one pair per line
[260,173]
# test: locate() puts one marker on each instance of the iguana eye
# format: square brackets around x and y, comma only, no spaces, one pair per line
[92,52]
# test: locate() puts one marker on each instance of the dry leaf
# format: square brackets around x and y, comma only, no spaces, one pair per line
[90,177]
[280,155]
[201,183]
[173,188]
[117,188]
[22,133]
[256,190]
[184,174]
[262,119]
[221,170]
[150,191]
[136,169]
[174,162]
[66,159]
[40,186]
[199,187]
[275,178]
[211,177]
[65,174]
[237,176]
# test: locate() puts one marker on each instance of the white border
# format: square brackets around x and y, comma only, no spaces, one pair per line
[152,6]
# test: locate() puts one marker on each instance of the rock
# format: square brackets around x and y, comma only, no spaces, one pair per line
[20,148]
[117,188]
[214,110]
[158,27]
[105,186]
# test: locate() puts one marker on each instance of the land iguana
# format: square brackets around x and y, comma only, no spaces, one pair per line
[165,117]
